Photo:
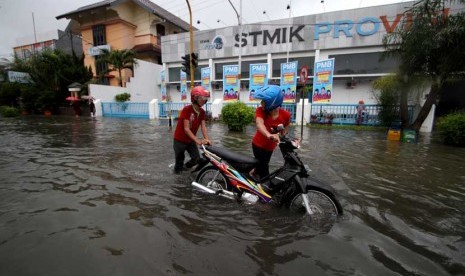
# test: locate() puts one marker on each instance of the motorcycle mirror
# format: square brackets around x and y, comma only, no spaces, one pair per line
[280,127]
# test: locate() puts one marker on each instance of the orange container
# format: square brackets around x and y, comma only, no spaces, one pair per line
[393,135]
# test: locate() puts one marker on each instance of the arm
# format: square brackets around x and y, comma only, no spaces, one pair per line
[206,140]
[189,133]
[260,124]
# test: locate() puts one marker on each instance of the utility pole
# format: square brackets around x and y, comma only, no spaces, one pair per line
[239,22]
[191,48]
[34,25]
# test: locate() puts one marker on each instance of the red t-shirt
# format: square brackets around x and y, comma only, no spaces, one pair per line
[195,120]
[271,125]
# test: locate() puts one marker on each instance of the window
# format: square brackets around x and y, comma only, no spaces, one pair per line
[101,68]
[301,61]
[98,34]
[366,63]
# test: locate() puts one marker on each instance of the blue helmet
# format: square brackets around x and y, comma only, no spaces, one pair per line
[271,95]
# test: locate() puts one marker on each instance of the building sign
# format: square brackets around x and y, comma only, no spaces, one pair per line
[216,44]
[163,86]
[289,80]
[183,88]
[230,82]
[205,75]
[97,50]
[323,81]
[258,78]
[20,77]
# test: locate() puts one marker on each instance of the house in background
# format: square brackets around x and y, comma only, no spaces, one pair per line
[115,25]
[56,39]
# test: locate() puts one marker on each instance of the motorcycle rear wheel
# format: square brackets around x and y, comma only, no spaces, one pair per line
[212,178]
[322,204]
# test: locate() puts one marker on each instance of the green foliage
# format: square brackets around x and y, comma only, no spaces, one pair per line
[237,115]
[51,71]
[119,60]
[10,92]
[29,98]
[123,97]
[390,87]
[8,111]
[452,129]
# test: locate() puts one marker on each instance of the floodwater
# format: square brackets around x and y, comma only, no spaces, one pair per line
[82,196]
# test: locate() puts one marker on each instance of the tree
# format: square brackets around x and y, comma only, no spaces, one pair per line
[120,60]
[52,71]
[430,42]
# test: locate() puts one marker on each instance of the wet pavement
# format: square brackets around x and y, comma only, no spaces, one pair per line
[82,196]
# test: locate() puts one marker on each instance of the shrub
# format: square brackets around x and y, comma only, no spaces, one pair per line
[8,111]
[123,97]
[452,129]
[237,115]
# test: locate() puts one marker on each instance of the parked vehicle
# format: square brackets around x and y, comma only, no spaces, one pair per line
[229,174]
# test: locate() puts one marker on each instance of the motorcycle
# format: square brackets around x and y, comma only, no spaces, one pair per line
[229,174]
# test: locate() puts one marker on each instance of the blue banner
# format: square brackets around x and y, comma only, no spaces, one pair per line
[258,78]
[205,75]
[183,87]
[323,81]
[230,82]
[289,80]
[163,86]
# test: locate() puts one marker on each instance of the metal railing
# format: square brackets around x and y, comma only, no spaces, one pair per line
[176,108]
[127,109]
[291,107]
[347,114]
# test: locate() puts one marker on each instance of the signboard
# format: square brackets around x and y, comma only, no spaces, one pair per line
[20,77]
[303,75]
[323,81]
[97,50]
[205,75]
[230,82]
[258,78]
[289,80]
[183,88]
[163,86]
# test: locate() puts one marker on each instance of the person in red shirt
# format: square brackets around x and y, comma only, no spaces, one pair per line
[191,118]
[267,118]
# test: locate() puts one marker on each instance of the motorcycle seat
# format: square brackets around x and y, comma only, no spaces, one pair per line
[239,161]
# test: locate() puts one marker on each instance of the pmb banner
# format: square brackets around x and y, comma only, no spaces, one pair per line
[183,78]
[230,82]
[323,81]
[205,75]
[258,78]
[289,80]
[163,86]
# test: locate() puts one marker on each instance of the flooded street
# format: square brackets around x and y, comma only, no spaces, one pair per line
[96,197]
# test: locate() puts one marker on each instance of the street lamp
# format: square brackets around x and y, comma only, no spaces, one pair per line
[239,21]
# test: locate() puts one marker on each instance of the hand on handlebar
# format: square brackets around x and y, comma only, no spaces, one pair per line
[206,142]
[274,137]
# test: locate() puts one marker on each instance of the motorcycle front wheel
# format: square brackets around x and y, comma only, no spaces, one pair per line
[323,205]
[212,178]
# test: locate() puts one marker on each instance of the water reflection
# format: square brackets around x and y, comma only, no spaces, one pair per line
[77,191]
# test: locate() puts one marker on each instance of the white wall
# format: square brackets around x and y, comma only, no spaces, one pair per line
[105,93]
[145,85]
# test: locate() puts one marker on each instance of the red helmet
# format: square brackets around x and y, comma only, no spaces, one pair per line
[199,91]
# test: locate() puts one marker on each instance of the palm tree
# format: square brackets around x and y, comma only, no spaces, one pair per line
[120,60]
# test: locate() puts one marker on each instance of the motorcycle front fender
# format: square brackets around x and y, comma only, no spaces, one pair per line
[313,182]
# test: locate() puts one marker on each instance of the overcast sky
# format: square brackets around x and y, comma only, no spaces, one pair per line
[16,18]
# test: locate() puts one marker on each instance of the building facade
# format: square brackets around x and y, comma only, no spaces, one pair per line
[115,25]
[56,39]
[352,37]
